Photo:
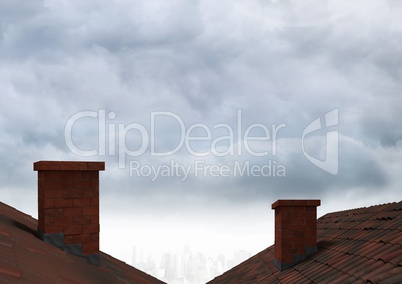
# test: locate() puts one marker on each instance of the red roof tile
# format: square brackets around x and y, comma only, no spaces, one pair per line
[354,246]
[24,257]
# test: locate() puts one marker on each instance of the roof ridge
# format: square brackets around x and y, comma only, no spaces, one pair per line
[27,257]
[360,208]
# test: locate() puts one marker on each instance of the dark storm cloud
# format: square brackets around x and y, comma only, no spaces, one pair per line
[381,124]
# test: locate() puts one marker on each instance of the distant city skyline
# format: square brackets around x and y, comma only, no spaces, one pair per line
[187,267]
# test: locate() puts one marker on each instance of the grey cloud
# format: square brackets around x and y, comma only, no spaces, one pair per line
[382,124]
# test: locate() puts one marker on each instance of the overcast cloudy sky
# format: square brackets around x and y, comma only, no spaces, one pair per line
[237,63]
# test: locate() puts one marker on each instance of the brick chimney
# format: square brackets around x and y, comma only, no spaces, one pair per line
[295,231]
[68,206]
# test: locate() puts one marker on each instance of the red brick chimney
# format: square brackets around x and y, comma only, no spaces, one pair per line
[68,206]
[295,231]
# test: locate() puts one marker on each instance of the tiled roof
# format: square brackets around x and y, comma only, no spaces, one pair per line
[362,245]
[26,258]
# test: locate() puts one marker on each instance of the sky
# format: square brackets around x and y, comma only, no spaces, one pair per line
[260,100]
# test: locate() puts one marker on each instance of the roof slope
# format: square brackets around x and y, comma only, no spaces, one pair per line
[26,258]
[362,245]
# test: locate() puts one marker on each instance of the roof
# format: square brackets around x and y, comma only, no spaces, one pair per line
[26,258]
[362,245]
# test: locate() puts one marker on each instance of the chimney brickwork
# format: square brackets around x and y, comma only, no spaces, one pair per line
[295,231]
[68,206]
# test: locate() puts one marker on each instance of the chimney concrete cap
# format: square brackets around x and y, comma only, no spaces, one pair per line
[68,166]
[296,202]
